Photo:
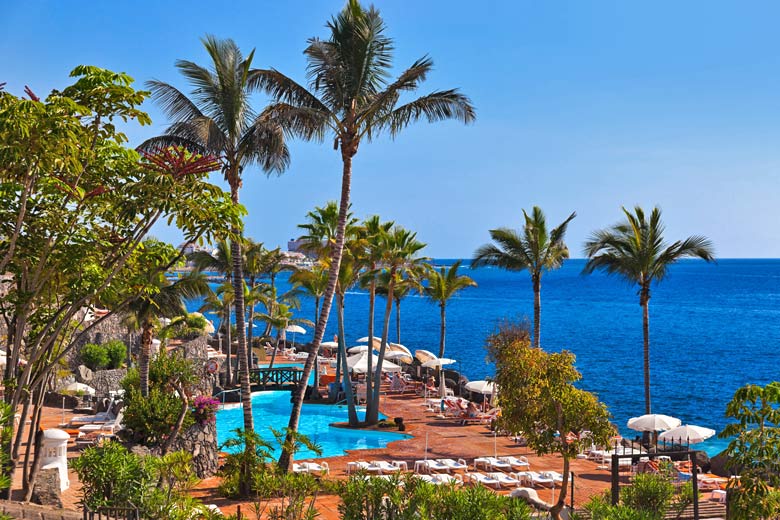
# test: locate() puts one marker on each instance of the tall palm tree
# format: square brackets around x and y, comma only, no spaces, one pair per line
[253,268]
[636,251]
[403,285]
[167,301]
[218,118]
[313,282]
[533,250]
[220,302]
[400,256]
[443,284]
[220,259]
[350,99]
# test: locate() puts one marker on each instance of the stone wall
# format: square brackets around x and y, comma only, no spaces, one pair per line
[201,441]
[105,381]
[47,488]
[33,512]
[110,329]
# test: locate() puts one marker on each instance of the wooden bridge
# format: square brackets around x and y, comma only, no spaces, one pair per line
[280,378]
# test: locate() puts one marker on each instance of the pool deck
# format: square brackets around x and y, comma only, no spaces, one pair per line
[445,438]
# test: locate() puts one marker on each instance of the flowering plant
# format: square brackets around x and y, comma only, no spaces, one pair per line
[205,409]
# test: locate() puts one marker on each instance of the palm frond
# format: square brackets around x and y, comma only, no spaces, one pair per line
[437,106]
[177,106]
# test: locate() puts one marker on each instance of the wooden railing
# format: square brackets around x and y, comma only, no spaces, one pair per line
[281,378]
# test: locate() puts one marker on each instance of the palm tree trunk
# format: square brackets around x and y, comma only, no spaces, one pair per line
[370,360]
[348,150]
[249,333]
[443,329]
[340,339]
[537,280]
[229,361]
[276,348]
[342,353]
[398,321]
[143,357]
[372,401]
[317,355]
[243,357]
[645,299]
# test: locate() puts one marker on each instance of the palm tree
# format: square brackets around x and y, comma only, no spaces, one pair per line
[167,301]
[313,282]
[443,284]
[400,250]
[636,251]
[350,100]
[217,118]
[221,261]
[220,302]
[280,316]
[532,250]
[402,286]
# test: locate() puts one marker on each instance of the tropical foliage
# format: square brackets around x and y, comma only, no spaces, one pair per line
[350,100]
[534,250]
[217,118]
[443,284]
[75,204]
[538,397]
[635,250]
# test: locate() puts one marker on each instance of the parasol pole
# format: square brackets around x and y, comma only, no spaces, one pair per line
[426,445]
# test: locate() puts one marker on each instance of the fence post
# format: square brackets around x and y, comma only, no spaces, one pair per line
[615,479]
[695,484]
[571,498]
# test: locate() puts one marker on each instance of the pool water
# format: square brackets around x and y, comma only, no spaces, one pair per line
[272,409]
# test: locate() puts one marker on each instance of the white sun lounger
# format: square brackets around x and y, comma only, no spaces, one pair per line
[535,479]
[362,465]
[454,465]
[445,479]
[430,465]
[504,479]
[556,477]
[480,478]
[312,468]
[517,463]
[491,463]
[385,467]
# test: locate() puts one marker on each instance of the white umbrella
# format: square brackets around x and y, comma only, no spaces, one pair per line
[329,344]
[689,433]
[653,422]
[364,339]
[79,387]
[399,355]
[481,387]
[295,329]
[438,362]
[359,363]
[397,347]
[424,355]
[358,349]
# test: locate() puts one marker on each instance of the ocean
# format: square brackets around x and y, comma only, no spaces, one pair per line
[713,328]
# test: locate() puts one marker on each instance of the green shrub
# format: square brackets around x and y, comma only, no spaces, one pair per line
[111,476]
[365,498]
[94,356]
[116,351]
[649,493]
[600,508]
[151,418]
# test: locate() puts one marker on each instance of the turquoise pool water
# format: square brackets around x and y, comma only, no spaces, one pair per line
[272,409]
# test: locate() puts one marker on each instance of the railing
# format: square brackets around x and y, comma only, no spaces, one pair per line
[276,378]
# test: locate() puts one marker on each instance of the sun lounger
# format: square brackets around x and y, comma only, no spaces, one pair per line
[480,478]
[452,464]
[491,463]
[535,479]
[517,463]
[504,479]
[430,466]
[445,479]
[362,465]
[112,426]
[556,477]
[312,468]
[385,467]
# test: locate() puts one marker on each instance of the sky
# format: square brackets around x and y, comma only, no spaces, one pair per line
[582,106]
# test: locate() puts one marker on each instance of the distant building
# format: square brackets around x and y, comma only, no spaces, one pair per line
[294,245]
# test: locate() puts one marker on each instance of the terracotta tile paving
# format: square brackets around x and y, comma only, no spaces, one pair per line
[445,439]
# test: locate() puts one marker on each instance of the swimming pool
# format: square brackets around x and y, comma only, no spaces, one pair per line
[272,409]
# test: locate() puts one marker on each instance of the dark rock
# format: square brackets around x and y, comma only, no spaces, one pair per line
[47,488]
[703,461]
[718,465]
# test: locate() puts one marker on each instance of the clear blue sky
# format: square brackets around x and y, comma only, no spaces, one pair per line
[582,105]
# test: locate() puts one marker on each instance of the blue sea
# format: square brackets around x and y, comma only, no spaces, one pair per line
[713,328]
